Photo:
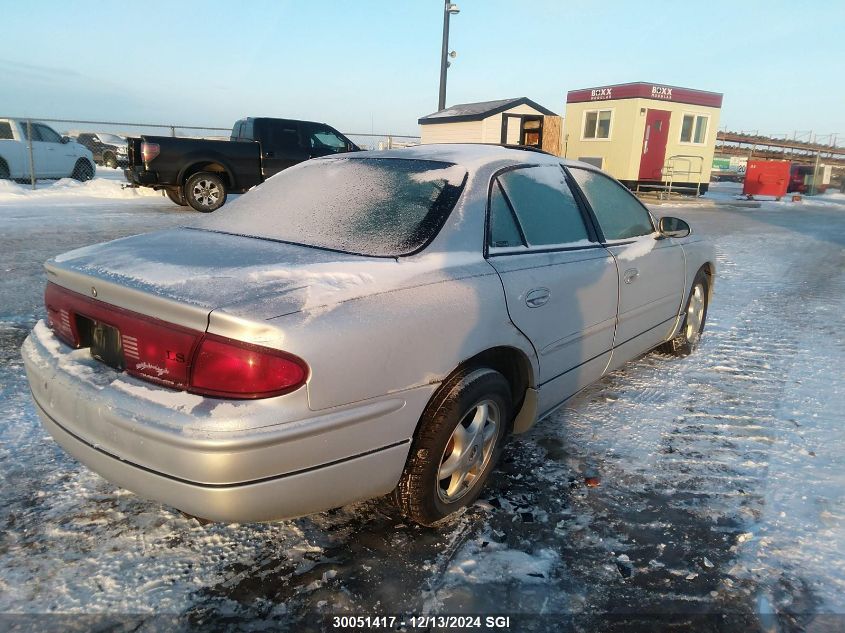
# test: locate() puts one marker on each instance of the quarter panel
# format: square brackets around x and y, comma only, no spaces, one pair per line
[400,339]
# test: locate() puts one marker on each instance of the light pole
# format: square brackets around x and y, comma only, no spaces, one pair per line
[448,9]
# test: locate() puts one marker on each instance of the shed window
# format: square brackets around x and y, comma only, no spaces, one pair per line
[597,124]
[694,129]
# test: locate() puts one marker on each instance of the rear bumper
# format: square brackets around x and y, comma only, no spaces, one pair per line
[286,496]
[137,175]
[221,460]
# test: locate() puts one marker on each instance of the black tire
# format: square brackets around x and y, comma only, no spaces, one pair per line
[176,197]
[421,495]
[205,192]
[5,174]
[109,160]
[83,170]
[688,338]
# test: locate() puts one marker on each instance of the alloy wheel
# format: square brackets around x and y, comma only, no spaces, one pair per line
[468,451]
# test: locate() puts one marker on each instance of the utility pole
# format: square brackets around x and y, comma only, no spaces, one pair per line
[448,10]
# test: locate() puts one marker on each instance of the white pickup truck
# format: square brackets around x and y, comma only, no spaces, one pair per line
[53,155]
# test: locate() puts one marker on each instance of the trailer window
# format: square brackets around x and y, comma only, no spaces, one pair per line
[694,129]
[597,124]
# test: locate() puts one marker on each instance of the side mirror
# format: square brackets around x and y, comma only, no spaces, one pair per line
[65,140]
[673,227]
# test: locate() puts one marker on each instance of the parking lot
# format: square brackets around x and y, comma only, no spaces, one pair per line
[708,488]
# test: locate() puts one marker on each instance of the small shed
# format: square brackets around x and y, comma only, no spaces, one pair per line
[646,135]
[519,121]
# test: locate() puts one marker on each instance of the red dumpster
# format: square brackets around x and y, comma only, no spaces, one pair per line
[766,178]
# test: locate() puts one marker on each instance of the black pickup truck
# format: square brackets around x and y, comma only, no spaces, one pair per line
[200,172]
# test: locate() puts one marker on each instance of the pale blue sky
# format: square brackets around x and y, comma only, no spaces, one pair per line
[366,64]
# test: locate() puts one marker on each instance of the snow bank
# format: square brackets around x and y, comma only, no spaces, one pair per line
[67,188]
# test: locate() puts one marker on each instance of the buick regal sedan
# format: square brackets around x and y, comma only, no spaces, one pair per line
[369,324]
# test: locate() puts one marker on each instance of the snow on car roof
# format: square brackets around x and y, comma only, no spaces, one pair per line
[473,156]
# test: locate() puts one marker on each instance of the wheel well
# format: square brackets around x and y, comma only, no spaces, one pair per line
[709,271]
[211,166]
[512,363]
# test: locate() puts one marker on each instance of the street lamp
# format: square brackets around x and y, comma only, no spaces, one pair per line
[448,10]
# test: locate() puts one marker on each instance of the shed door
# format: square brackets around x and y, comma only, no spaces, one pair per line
[654,144]
[522,129]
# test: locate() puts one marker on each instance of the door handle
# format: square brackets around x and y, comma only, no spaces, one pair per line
[537,297]
[630,275]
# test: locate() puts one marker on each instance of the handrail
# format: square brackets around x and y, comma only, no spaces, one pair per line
[669,171]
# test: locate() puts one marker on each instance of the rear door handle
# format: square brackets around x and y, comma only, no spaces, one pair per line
[630,275]
[537,297]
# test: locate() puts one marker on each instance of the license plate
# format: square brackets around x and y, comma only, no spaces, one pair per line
[106,345]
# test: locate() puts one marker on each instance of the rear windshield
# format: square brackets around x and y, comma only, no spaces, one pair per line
[367,206]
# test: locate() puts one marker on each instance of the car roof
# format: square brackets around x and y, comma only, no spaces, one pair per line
[470,155]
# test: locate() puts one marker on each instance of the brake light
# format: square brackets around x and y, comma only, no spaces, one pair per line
[149,151]
[227,368]
[175,356]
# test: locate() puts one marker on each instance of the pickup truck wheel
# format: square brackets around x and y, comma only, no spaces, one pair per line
[695,315]
[82,171]
[4,170]
[109,160]
[457,444]
[205,192]
[176,197]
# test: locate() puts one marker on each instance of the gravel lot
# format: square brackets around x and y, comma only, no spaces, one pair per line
[721,478]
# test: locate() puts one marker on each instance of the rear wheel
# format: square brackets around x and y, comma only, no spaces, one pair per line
[83,170]
[694,317]
[458,443]
[205,191]
[4,170]
[109,160]
[176,197]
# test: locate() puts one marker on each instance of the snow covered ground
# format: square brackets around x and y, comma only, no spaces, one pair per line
[709,489]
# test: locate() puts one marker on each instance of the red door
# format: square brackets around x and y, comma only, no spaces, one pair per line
[654,144]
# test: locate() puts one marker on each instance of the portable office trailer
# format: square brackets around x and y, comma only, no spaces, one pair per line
[646,135]
[514,121]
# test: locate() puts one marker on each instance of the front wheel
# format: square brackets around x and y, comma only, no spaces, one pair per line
[694,317]
[82,171]
[458,443]
[109,160]
[205,192]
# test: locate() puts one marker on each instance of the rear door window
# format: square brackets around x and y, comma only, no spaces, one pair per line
[544,206]
[620,215]
[281,135]
[504,231]
[5,131]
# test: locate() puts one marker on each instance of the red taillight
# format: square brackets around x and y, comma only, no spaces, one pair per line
[149,151]
[231,369]
[175,356]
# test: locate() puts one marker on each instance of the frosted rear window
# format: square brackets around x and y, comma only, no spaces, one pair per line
[366,206]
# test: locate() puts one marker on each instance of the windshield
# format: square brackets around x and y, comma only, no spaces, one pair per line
[114,139]
[367,206]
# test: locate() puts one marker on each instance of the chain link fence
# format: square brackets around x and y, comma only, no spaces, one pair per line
[49,155]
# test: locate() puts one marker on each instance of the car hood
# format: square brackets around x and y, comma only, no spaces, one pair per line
[246,277]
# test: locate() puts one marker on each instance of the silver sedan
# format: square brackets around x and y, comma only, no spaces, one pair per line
[358,326]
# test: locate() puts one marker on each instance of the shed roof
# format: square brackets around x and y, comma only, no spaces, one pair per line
[479,110]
